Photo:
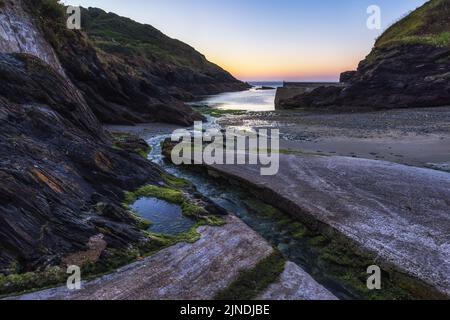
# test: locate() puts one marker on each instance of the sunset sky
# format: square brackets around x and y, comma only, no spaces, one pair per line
[307,40]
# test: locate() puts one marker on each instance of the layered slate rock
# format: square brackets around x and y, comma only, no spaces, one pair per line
[408,67]
[56,165]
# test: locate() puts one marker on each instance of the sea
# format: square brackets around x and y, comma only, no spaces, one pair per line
[250,100]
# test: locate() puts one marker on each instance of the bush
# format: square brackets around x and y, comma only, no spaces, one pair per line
[50,9]
[50,16]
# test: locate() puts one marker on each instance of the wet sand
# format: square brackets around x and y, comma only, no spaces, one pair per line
[417,137]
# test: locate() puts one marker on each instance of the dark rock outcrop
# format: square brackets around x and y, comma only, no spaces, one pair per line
[115,91]
[408,67]
[56,165]
[347,76]
[174,66]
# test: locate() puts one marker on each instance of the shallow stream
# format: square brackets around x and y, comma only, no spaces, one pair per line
[329,263]
[279,229]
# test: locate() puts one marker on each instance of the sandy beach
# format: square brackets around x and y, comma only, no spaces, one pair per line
[417,137]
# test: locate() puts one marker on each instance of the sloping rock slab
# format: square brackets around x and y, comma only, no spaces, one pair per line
[185,271]
[399,213]
[296,284]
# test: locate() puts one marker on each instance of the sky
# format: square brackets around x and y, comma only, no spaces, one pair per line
[255,40]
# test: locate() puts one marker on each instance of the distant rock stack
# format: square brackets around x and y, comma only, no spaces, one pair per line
[286,96]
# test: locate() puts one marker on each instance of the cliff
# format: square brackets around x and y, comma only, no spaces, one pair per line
[129,72]
[174,65]
[56,165]
[63,177]
[18,33]
[409,66]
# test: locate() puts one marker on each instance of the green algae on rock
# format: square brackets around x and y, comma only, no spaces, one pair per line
[250,283]
[174,196]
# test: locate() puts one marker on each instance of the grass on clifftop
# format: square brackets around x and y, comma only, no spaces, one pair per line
[50,16]
[429,24]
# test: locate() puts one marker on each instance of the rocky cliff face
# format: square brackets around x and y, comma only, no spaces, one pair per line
[62,176]
[57,164]
[18,33]
[128,72]
[408,67]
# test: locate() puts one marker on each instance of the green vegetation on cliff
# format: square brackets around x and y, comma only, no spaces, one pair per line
[123,36]
[50,17]
[430,24]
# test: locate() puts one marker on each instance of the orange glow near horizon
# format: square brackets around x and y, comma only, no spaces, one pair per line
[287,69]
[267,40]
[319,61]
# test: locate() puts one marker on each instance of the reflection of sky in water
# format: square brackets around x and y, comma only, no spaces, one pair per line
[280,230]
[251,100]
[165,217]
